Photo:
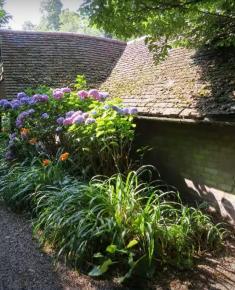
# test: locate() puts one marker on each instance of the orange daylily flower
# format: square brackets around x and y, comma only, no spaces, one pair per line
[24,131]
[46,162]
[33,141]
[64,156]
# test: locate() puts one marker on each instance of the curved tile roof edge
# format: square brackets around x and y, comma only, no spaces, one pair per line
[53,33]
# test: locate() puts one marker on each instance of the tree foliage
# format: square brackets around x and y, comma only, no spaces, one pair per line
[189,23]
[73,22]
[51,10]
[28,26]
[4,16]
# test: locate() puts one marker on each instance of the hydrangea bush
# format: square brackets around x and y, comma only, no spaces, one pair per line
[95,130]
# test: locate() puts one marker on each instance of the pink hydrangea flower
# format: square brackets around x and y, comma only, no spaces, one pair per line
[58,94]
[68,121]
[83,94]
[65,90]
[94,93]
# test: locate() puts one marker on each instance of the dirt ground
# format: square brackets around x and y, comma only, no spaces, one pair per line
[23,266]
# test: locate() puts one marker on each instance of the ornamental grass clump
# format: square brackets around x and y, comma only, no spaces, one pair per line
[20,181]
[122,224]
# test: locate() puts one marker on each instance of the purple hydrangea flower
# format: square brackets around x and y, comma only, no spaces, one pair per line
[25,100]
[89,121]
[19,123]
[60,121]
[83,94]
[44,98]
[21,95]
[78,120]
[32,101]
[133,111]
[22,116]
[103,96]
[39,98]
[30,111]
[125,111]
[65,90]
[94,93]
[69,114]
[58,94]
[45,116]
[93,112]
[77,113]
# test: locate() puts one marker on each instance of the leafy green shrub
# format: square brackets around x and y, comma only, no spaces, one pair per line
[95,130]
[123,223]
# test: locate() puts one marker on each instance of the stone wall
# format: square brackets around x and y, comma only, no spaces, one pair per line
[197,158]
[54,59]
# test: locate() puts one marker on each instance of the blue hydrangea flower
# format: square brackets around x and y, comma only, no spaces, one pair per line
[15,104]
[78,120]
[133,111]
[21,95]
[30,111]
[25,100]
[125,111]
[5,104]
[60,121]
[45,116]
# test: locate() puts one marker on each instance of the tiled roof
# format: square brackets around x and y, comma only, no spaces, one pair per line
[188,84]
[54,59]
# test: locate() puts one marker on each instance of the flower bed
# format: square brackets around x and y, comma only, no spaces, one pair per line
[118,221]
[91,130]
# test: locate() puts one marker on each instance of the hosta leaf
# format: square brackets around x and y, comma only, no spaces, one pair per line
[101,269]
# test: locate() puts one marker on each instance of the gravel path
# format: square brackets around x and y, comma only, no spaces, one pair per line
[23,266]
